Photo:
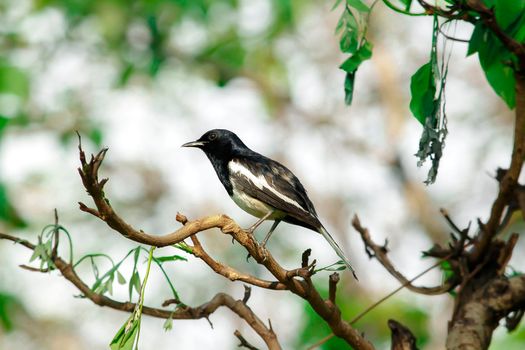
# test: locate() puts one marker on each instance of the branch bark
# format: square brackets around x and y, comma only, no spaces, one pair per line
[480,315]
[239,307]
[285,279]
[380,253]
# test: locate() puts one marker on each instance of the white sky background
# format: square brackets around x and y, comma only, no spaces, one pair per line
[146,124]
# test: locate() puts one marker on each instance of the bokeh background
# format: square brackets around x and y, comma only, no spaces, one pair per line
[143,77]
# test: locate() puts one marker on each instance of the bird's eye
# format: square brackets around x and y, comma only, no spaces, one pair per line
[212,136]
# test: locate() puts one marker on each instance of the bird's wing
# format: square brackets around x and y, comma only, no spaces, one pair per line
[275,185]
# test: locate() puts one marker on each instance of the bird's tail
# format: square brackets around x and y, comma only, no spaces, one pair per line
[337,249]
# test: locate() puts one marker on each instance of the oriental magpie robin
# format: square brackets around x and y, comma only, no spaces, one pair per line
[261,186]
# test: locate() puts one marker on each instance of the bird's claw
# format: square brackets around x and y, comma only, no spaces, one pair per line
[264,252]
[249,230]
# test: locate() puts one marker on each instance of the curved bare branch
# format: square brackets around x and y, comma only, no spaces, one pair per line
[380,253]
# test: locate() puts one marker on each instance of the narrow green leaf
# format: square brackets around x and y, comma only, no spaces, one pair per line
[120,278]
[407,4]
[184,247]
[349,87]
[135,282]
[163,259]
[94,267]
[125,336]
[423,91]
[37,252]
[358,5]
[336,4]
[168,324]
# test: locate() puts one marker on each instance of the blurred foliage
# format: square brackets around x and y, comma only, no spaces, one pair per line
[9,304]
[140,34]
[374,324]
[140,38]
[352,27]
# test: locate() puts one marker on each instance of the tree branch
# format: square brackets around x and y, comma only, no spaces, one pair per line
[402,337]
[229,272]
[286,279]
[480,315]
[380,253]
[181,313]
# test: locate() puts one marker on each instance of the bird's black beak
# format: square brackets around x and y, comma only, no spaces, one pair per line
[197,144]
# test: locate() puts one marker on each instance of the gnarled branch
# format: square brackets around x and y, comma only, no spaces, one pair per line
[380,253]
[181,313]
[286,279]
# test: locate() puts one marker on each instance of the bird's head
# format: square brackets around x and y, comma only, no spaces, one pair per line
[218,142]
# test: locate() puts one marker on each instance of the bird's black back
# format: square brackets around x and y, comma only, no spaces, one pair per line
[284,192]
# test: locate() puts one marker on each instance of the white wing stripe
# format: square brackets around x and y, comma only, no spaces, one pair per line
[260,182]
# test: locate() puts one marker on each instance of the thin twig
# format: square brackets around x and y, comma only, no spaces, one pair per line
[381,255]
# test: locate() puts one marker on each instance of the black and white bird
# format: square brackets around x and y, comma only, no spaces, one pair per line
[261,186]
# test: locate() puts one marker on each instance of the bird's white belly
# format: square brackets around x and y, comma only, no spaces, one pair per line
[254,206]
[250,205]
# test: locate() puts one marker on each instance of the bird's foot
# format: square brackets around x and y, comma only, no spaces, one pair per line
[249,230]
[264,252]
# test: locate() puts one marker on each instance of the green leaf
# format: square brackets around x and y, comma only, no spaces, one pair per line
[508,11]
[348,42]
[477,38]
[362,54]
[163,259]
[134,283]
[517,29]
[336,4]
[168,324]
[126,335]
[407,4]
[501,78]
[496,60]
[350,32]
[423,90]
[184,247]
[350,67]
[358,5]
[120,278]
[349,87]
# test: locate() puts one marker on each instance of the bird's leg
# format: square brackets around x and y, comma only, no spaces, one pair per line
[254,226]
[275,223]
